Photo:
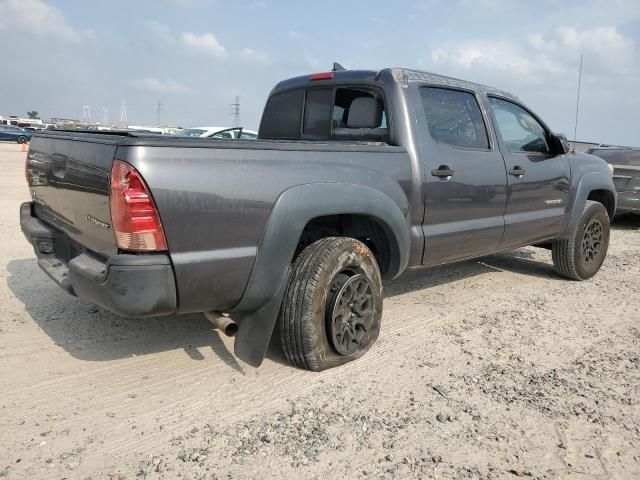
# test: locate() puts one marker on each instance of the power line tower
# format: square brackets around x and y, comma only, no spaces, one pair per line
[235,111]
[86,114]
[159,109]
[105,115]
[124,122]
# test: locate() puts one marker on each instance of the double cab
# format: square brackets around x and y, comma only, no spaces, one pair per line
[356,176]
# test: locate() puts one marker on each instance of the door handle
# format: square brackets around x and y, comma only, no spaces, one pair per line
[517,171]
[443,171]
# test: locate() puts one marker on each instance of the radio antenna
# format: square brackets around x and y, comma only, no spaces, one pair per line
[575,127]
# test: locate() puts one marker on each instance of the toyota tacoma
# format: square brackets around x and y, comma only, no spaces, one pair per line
[356,177]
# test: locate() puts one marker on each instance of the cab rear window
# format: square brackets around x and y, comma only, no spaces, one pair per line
[281,118]
[337,113]
[317,112]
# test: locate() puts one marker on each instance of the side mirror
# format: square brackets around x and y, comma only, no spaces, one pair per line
[559,144]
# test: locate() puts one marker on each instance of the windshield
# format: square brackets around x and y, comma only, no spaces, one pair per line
[191,132]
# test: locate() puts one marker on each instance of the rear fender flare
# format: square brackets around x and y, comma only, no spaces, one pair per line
[298,205]
[258,309]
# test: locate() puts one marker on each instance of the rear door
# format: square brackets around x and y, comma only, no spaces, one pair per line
[465,176]
[538,179]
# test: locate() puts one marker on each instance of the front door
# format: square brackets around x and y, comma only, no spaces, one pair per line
[538,189]
[465,191]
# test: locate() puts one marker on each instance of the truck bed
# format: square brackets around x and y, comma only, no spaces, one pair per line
[214,197]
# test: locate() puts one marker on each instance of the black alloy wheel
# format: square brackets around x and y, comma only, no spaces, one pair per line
[350,313]
[592,240]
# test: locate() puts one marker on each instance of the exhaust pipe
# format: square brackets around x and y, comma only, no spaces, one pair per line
[222,323]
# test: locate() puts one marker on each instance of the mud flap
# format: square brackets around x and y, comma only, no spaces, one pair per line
[256,327]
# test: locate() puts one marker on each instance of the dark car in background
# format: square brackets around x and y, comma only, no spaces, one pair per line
[14,134]
[626,175]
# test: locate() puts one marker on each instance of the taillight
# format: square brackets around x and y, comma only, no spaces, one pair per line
[134,215]
[321,76]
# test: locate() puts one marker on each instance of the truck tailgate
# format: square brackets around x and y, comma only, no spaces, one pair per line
[68,175]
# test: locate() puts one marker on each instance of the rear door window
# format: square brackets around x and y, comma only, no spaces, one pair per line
[454,118]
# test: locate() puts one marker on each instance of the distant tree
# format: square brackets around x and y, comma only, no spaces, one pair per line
[33,114]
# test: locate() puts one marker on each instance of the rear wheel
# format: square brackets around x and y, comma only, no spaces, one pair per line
[22,139]
[580,256]
[333,305]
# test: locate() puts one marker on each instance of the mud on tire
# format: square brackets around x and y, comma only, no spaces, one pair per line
[332,308]
[581,255]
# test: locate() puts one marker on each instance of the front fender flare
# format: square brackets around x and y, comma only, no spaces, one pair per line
[588,182]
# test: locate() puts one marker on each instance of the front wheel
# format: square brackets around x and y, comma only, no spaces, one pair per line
[581,255]
[333,305]
[22,140]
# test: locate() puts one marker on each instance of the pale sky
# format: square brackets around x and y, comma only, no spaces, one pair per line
[195,55]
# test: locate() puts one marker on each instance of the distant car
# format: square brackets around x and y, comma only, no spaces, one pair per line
[626,175]
[14,134]
[235,133]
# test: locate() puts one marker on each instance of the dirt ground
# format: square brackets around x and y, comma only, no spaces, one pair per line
[495,368]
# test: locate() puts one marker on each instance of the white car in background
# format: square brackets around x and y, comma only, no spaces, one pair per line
[219,132]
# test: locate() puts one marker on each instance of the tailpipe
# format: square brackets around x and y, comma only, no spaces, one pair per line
[222,323]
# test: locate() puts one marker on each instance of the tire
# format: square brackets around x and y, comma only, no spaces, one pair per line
[22,139]
[581,255]
[332,308]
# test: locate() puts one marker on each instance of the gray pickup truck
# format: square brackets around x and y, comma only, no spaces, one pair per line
[356,176]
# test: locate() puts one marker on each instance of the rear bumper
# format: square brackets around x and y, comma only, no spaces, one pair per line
[128,285]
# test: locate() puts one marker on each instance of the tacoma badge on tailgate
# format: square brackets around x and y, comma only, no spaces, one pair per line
[98,222]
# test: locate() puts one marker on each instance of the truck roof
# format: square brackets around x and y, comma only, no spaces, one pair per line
[400,75]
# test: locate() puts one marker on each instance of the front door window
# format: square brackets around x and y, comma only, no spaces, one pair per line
[520,132]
